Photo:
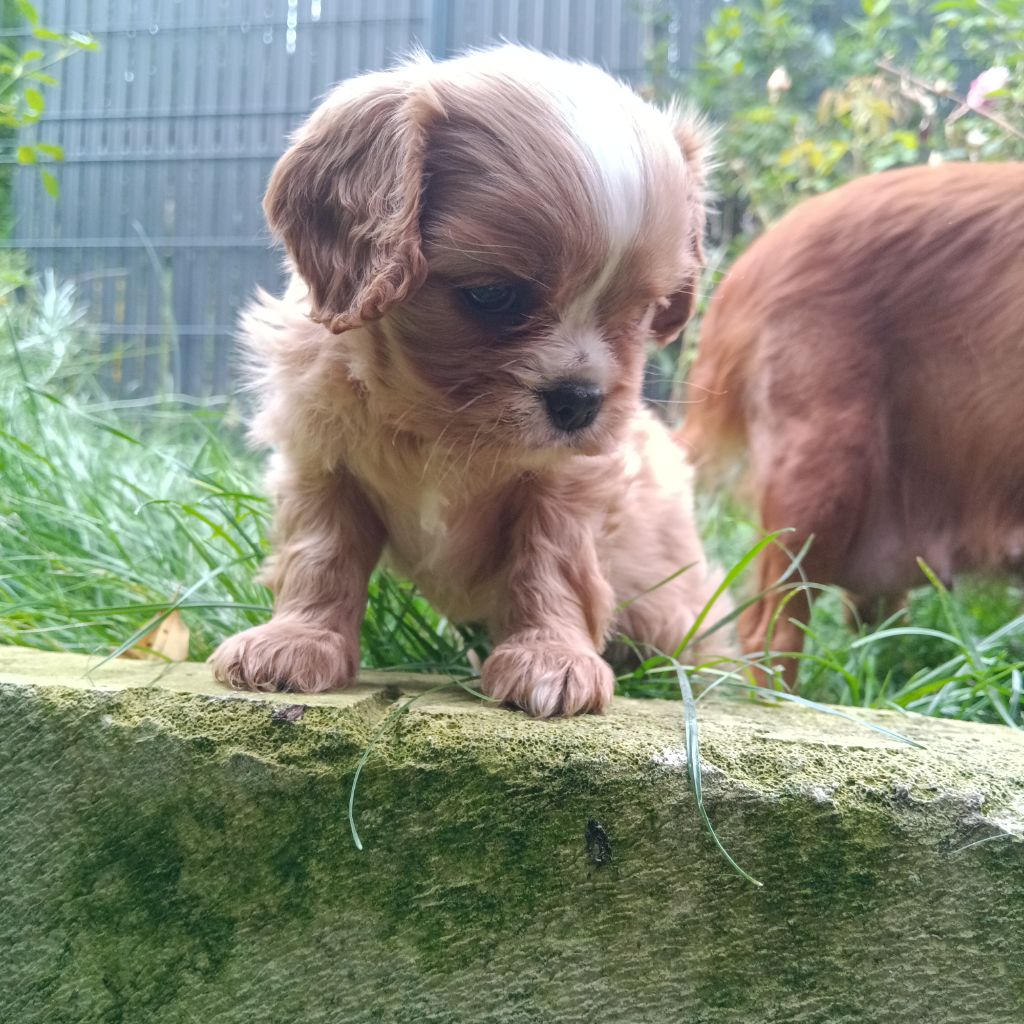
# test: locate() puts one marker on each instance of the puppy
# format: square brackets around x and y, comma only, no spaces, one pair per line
[483,247]
[869,352]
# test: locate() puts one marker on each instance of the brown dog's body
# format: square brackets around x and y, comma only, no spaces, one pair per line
[869,350]
[452,381]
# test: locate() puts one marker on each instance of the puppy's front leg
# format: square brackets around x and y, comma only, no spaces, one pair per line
[557,609]
[327,539]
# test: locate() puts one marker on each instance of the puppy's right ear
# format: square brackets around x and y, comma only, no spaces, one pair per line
[694,138]
[345,198]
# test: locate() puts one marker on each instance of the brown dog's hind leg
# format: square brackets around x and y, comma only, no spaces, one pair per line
[818,495]
[872,609]
[766,625]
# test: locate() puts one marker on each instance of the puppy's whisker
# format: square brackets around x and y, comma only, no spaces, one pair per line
[708,391]
[431,452]
[398,423]
[435,446]
[490,258]
[473,444]
[503,446]
[475,398]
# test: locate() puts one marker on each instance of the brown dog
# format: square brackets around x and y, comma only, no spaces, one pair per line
[869,351]
[483,248]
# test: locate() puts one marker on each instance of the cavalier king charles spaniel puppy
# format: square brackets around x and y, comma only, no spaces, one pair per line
[482,249]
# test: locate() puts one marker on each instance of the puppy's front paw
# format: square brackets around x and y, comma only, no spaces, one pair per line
[286,655]
[548,677]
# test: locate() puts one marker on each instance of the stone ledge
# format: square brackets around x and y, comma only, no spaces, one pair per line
[174,852]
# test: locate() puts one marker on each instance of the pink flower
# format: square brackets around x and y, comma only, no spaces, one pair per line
[984,85]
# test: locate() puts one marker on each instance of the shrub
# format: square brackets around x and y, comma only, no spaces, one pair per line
[807,98]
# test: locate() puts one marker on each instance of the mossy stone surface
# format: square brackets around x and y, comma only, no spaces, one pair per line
[175,853]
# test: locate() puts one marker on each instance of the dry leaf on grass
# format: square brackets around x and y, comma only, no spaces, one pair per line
[166,641]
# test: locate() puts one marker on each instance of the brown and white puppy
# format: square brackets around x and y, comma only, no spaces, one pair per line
[869,353]
[483,248]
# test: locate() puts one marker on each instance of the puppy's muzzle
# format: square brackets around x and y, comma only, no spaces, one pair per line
[572,404]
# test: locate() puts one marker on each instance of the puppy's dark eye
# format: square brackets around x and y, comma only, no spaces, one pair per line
[505,303]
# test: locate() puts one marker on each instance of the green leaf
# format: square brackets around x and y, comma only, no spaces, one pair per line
[47,34]
[50,149]
[695,773]
[734,573]
[885,634]
[26,154]
[50,183]
[35,100]
[28,12]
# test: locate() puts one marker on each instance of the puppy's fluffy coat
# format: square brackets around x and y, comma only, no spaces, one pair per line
[869,351]
[483,248]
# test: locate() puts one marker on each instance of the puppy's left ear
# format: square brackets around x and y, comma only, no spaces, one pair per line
[694,138]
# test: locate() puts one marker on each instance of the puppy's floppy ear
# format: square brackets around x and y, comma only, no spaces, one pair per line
[673,312]
[694,138]
[345,198]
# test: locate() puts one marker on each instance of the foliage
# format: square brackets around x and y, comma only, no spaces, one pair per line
[807,98]
[115,514]
[24,77]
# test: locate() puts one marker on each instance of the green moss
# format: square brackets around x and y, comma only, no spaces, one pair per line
[184,854]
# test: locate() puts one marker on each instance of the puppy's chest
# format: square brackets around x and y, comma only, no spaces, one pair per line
[423,527]
[449,545]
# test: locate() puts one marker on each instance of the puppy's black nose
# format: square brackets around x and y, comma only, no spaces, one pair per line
[572,405]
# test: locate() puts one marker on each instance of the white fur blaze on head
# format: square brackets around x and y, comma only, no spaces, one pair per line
[626,144]
[607,120]
[616,132]
[601,116]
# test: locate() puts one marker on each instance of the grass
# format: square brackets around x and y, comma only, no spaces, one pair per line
[952,655]
[113,514]
[108,520]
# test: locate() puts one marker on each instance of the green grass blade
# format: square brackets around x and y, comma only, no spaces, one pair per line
[389,722]
[693,768]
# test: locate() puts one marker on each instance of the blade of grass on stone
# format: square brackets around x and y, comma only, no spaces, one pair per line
[390,721]
[825,709]
[694,771]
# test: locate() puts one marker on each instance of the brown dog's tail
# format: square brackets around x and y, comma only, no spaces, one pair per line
[715,429]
